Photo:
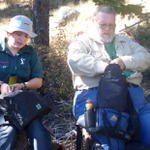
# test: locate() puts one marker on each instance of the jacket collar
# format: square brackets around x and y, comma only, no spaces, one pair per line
[93,34]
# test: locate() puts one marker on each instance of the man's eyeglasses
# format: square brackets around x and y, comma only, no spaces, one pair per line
[103,26]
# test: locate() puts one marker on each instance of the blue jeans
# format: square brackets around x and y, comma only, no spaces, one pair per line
[136,94]
[79,101]
[37,134]
[137,97]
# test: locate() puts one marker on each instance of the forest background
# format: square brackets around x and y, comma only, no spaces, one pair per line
[133,16]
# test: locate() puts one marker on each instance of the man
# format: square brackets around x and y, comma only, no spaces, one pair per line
[90,53]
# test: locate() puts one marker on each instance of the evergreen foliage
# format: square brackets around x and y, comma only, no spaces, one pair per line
[121,7]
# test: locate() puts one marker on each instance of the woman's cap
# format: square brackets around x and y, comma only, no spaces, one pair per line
[21,23]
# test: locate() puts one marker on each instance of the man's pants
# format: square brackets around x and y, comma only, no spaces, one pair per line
[37,134]
[136,95]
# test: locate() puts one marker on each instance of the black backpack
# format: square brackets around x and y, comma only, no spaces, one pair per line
[21,107]
[112,102]
[112,91]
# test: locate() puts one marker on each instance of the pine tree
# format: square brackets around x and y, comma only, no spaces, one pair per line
[121,7]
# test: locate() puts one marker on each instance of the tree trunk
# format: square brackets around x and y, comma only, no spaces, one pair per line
[76,2]
[41,21]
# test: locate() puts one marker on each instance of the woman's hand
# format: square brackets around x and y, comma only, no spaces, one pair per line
[34,83]
[17,86]
[5,88]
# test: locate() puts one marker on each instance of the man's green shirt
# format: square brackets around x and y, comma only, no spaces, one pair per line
[110,48]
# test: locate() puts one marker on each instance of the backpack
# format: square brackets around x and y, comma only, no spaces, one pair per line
[22,106]
[113,90]
[111,116]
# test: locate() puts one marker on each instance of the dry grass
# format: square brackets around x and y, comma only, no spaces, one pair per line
[73,27]
[85,9]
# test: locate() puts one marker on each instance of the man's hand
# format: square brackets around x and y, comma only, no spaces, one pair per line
[119,62]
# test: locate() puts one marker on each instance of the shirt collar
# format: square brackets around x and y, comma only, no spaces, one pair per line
[25,49]
[3,44]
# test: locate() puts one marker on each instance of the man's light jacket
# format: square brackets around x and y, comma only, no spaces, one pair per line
[87,59]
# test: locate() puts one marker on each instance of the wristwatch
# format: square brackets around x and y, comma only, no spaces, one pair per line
[25,85]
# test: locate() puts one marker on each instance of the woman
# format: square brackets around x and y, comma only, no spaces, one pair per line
[20,68]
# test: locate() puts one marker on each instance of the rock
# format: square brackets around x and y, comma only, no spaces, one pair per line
[66,14]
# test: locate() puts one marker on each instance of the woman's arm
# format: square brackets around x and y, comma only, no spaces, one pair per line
[32,84]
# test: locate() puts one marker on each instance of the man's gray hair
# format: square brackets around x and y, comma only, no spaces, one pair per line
[104,9]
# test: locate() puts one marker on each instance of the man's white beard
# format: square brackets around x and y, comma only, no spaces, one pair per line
[108,38]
